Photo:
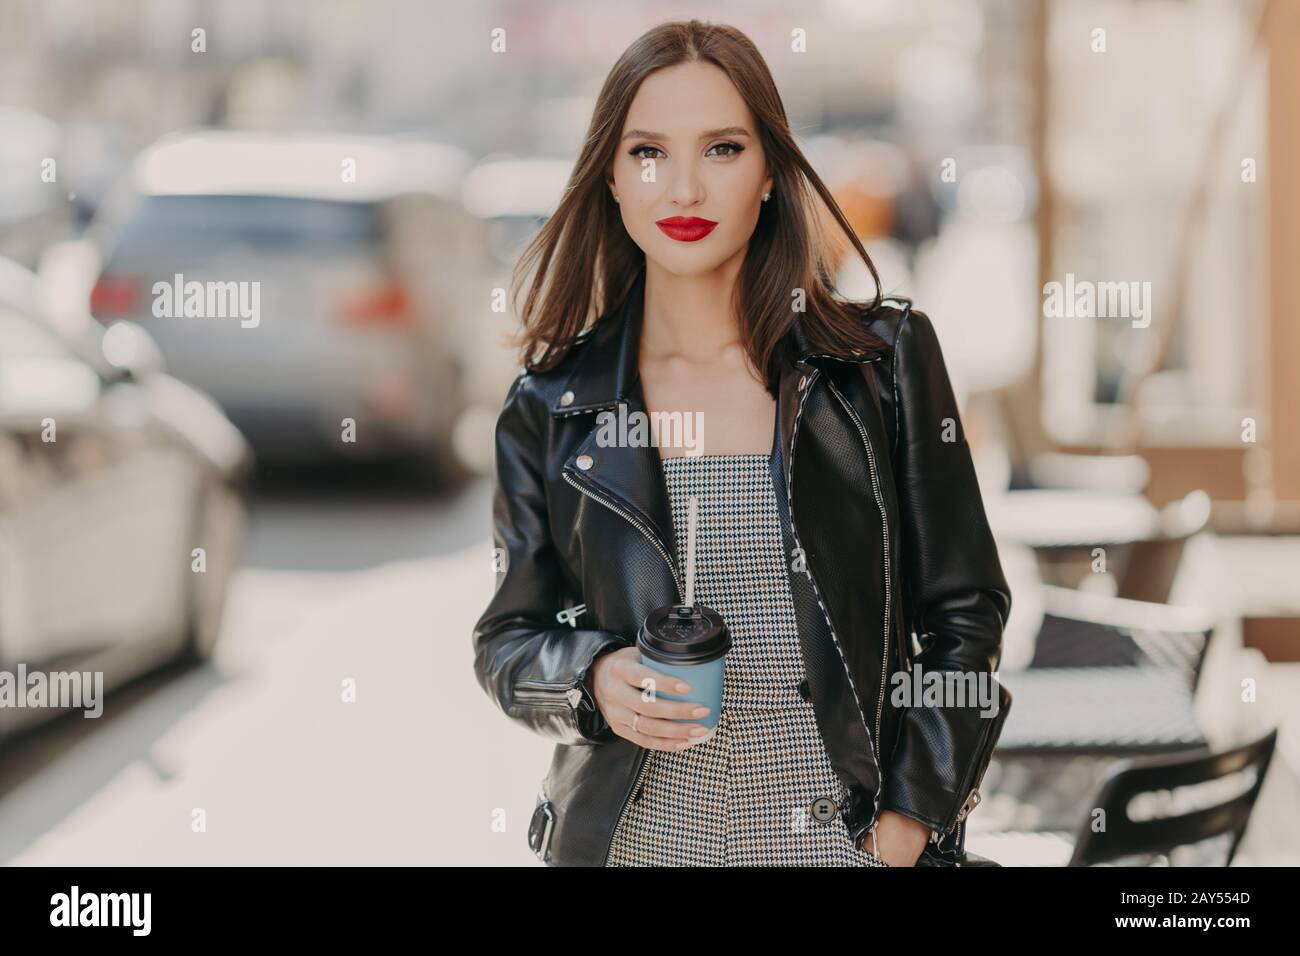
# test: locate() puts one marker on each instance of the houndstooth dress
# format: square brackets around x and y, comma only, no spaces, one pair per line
[744,796]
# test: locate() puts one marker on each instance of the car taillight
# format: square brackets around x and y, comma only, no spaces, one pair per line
[114,296]
[387,305]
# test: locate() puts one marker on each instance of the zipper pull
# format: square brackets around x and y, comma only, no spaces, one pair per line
[570,614]
[875,847]
[972,801]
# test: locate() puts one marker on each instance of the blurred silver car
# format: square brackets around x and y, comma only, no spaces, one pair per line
[307,282]
[35,206]
[120,509]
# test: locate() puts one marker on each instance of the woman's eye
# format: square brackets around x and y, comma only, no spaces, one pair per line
[640,154]
[732,149]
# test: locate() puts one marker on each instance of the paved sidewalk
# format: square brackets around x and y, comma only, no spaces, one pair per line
[416,771]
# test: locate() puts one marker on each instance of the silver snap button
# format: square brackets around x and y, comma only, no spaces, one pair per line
[803,380]
[584,462]
[823,809]
[566,398]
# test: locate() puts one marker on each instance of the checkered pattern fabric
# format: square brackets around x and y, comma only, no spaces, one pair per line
[760,790]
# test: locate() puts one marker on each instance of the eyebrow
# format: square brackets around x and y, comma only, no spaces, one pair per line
[708,134]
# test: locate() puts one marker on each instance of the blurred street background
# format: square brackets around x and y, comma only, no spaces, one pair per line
[269,527]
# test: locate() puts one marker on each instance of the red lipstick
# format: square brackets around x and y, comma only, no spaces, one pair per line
[686,228]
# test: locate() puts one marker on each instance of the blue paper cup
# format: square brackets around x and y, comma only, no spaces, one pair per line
[690,643]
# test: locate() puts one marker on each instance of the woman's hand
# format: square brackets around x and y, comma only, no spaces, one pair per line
[624,689]
[899,838]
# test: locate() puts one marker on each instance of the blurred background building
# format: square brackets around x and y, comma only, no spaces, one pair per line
[272,534]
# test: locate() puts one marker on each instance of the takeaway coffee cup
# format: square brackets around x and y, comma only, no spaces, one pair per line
[689,642]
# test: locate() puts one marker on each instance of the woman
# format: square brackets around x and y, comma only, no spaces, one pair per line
[838,506]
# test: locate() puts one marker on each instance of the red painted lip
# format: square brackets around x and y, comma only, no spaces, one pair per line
[686,228]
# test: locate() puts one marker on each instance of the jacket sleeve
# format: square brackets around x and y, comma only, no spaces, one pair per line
[533,667]
[956,595]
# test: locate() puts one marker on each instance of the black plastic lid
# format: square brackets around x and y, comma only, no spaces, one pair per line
[682,634]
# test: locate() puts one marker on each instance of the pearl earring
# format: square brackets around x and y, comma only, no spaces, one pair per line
[766,196]
[615,199]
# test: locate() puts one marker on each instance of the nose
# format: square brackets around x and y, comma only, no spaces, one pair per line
[687,187]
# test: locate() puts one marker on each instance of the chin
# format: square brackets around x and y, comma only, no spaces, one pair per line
[687,261]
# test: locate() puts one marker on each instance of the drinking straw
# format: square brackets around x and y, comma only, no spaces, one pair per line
[690,552]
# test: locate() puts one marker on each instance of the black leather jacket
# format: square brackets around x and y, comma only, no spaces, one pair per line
[878,492]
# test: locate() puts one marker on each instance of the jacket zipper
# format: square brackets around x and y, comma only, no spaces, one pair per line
[967,806]
[636,523]
[972,799]
[644,759]
[884,521]
[884,524]
[871,826]
[543,693]
[644,753]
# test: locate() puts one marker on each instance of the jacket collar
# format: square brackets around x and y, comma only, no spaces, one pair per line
[606,375]
[606,370]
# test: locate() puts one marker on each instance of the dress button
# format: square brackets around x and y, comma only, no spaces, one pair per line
[566,399]
[804,691]
[823,809]
[584,462]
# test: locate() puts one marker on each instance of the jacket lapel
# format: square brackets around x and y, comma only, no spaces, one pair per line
[606,375]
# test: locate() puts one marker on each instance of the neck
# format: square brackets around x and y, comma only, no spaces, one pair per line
[689,315]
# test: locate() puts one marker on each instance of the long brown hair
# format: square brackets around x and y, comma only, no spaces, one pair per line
[789,249]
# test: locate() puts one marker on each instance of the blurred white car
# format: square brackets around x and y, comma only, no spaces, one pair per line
[112,476]
[327,271]
[512,197]
[36,207]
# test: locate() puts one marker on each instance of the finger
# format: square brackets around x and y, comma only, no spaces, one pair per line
[649,742]
[651,704]
[689,731]
[641,677]
[666,744]
[638,722]
[653,733]
[672,729]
